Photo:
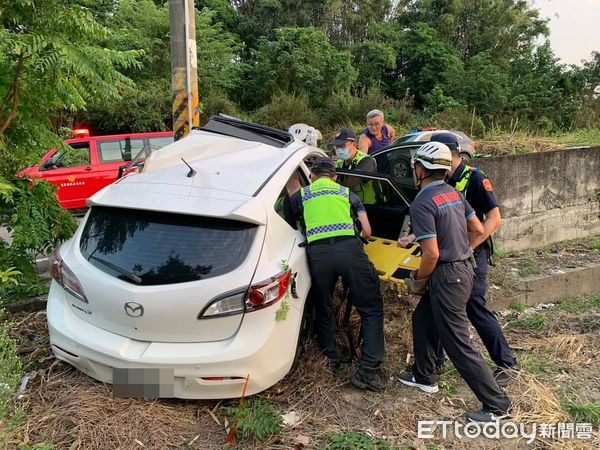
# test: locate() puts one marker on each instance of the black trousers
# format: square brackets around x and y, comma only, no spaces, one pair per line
[484,320]
[441,315]
[333,258]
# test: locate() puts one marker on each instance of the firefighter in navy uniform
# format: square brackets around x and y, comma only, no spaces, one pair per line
[477,189]
[327,211]
[446,228]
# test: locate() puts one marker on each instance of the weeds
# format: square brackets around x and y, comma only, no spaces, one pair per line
[256,419]
[519,306]
[536,322]
[588,413]
[580,304]
[352,440]
[537,363]
[10,370]
[529,268]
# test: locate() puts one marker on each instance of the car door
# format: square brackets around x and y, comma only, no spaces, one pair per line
[72,170]
[389,219]
[396,162]
[113,153]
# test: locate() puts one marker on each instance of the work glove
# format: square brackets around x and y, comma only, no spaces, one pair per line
[417,287]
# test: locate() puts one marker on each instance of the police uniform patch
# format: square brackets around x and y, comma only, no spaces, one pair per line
[487,185]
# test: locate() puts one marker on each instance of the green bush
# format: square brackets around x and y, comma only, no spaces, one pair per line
[460,119]
[216,103]
[256,419]
[285,110]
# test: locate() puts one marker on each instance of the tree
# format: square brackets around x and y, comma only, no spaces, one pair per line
[298,60]
[50,62]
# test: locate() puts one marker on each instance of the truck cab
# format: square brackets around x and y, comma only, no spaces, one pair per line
[89,163]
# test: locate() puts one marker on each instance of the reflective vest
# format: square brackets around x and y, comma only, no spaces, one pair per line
[366,193]
[326,207]
[465,178]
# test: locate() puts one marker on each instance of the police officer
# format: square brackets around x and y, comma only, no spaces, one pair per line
[478,190]
[351,158]
[446,226]
[326,211]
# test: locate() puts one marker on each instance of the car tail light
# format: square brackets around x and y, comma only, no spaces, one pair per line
[268,292]
[229,305]
[61,273]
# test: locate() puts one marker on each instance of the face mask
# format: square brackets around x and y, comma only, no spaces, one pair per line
[342,153]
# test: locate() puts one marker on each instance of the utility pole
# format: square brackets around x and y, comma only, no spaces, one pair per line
[184,67]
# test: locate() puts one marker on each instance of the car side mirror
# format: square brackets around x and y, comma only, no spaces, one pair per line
[52,161]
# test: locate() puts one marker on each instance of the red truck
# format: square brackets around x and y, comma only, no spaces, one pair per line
[90,163]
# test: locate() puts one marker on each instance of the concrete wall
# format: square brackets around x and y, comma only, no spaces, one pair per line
[546,197]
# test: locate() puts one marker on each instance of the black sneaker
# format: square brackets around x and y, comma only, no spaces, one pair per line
[505,375]
[484,416]
[372,380]
[408,379]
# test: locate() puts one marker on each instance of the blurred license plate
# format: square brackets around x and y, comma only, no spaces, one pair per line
[143,383]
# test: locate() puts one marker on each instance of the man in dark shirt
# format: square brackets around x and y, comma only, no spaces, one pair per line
[446,228]
[478,191]
[327,212]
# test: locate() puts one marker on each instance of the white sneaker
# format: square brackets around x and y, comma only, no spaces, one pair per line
[409,380]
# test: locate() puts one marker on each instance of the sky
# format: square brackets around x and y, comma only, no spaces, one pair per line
[574,27]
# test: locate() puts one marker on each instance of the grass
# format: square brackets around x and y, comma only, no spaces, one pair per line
[519,306]
[352,440]
[10,370]
[529,267]
[537,363]
[580,304]
[595,243]
[256,419]
[584,412]
[536,322]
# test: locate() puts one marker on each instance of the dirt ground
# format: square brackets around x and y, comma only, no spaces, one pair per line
[557,347]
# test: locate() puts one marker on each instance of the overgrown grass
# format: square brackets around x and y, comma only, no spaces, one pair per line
[580,304]
[519,306]
[256,419]
[352,440]
[584,412]
[536,322]
[537,363]
[10,370]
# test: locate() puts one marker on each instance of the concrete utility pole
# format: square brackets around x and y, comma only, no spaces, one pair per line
[184,67]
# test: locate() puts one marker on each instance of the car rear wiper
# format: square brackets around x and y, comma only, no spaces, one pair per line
[131,276]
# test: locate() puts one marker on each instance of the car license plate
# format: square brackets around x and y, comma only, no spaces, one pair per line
[143,383]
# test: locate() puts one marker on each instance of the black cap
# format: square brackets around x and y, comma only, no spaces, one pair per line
[323,164]
[345,134]
[450,139]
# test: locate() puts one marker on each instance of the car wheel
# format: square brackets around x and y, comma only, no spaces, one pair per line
[306,332]
[401,168]
[466,157]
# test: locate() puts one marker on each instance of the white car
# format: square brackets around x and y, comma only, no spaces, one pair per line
[181,269]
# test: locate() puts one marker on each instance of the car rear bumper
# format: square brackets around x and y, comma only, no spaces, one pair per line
[263,349]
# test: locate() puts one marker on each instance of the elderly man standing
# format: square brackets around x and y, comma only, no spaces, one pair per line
[377,135]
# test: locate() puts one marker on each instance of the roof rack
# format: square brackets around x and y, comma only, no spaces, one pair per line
[231,126]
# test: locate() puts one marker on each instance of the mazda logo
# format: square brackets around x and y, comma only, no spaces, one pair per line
[134,309]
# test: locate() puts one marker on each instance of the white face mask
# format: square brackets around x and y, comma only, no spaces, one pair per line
[342,153]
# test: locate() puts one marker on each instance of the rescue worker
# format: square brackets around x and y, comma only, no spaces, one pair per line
[377,135]
[446,227]
[351,158]
[334,250]
[478,191]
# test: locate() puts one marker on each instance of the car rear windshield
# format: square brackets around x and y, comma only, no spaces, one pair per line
[152,248]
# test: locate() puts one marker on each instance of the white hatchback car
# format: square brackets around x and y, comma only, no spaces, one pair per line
[183,267]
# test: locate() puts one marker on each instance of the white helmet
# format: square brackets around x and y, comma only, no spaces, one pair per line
[434,156]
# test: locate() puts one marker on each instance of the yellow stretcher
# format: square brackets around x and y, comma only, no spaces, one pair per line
[393,263]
